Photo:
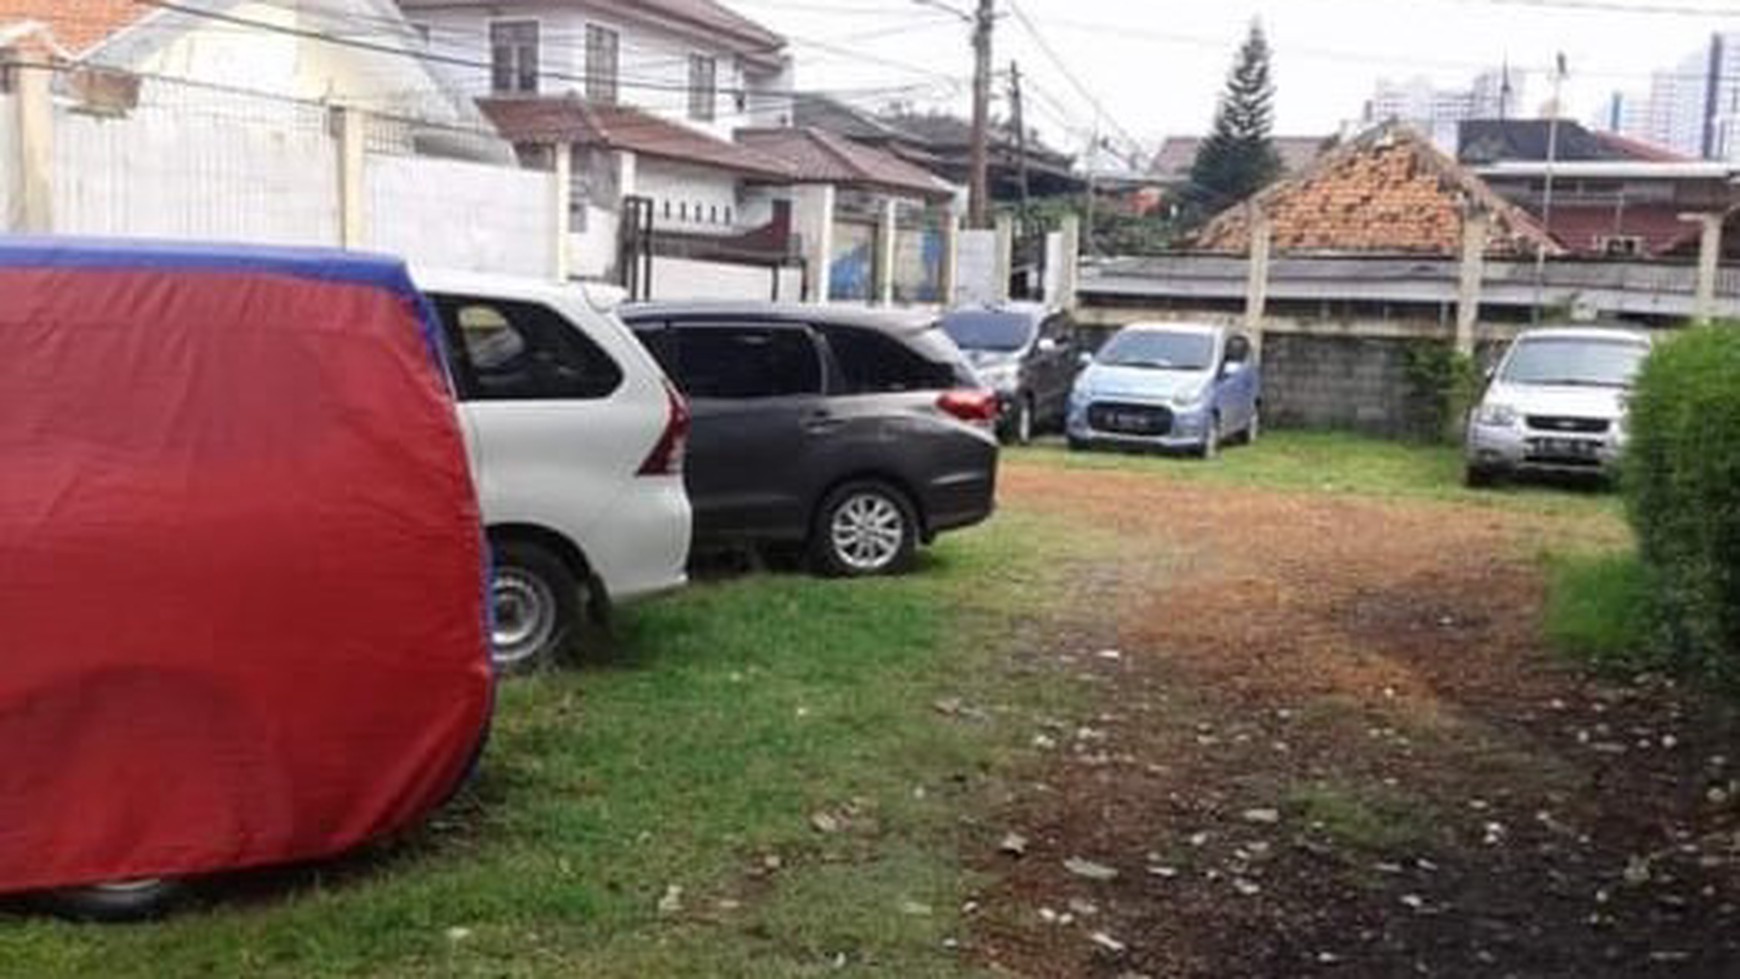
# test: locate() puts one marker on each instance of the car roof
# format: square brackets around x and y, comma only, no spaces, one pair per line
[1196,329]
[193,257]
[1031,310]
[887,321]
[1590,332]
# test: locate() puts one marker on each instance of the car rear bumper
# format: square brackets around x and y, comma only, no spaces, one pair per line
[641,548]
[960,498]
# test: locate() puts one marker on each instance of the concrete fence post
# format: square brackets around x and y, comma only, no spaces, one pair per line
[352,177]
[951,256]
[1069,275]
[33,187]
[1709,263]
[1005,258]
[1257,275]
[887,250]
[561,211]
[1475,227]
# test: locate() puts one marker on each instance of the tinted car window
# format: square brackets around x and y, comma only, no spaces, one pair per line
[745,362]
[874,363]
[1160,351]
[1589,363]
[518,351]
[988,330]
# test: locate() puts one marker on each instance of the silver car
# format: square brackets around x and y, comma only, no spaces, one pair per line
[1556,404]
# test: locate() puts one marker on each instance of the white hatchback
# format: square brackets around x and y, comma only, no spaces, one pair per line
[577,441]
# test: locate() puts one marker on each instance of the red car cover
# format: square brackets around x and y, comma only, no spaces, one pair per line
[242,575]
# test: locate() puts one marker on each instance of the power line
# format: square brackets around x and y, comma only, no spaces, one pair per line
[1069,75]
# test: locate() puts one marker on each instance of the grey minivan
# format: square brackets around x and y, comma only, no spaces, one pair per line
[857,435]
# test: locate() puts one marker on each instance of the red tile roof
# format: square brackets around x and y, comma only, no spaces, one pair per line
[1389,192]
[76,25]
[816,156]
[1637,149]
[571,119]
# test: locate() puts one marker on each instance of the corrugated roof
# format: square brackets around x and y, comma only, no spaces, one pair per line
[1178,154]
[816,156]
[571,119]
[1390,192]
[76,25]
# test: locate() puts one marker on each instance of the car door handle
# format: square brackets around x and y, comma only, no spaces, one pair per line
[822,423]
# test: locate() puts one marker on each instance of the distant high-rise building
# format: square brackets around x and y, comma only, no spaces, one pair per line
[1692,108]
[1437,111]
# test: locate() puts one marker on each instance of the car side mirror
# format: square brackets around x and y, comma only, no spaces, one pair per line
[1489,374]
[1232,368]
[1084,359]
[1048,345]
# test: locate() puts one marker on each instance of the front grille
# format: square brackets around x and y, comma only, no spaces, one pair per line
[1128,419]
[1562,423]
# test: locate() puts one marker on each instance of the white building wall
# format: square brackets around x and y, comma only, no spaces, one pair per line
[9,170]
[653,65]
[455,215]
[689,199]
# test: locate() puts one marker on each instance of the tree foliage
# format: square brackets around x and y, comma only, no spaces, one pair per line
[1239,157]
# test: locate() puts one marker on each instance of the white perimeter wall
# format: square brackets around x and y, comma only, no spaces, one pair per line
[681,278]
[9,170]
[484,218]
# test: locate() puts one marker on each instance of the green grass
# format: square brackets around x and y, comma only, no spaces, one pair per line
[1598,610]
[1361,818]
[1331,462]
[730,715]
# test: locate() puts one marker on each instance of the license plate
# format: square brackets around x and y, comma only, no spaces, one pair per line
[1567,448]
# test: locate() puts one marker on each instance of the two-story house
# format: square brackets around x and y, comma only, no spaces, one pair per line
[644,95]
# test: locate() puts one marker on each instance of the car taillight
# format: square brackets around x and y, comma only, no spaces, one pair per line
[667,456]
[976,406]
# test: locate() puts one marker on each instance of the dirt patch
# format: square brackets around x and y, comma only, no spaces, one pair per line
[1328,742]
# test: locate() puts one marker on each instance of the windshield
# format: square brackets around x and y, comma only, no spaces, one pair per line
[1159,351]
[986,330]
[1575,363]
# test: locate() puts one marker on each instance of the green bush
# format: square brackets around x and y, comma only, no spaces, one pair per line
[1683,494]
[1442,386]
[1598,610]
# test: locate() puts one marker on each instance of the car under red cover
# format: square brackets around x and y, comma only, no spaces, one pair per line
[242,577]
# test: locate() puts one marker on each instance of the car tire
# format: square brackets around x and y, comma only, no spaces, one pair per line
[1254,430]
[535,608]
[1078,445]
[1211,440]
[117,903]
[1022,430]
[1479,477]
[864,529]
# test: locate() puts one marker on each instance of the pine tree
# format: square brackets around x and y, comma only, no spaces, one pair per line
[1239,157]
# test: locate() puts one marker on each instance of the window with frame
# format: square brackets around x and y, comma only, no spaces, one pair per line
[703,88]
[873,363]
[747,362]
[513,59]
[603,53]
[520,351]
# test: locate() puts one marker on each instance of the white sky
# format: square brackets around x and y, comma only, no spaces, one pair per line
[1157,65]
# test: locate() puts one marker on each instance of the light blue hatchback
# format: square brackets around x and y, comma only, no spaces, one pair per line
[1175,386]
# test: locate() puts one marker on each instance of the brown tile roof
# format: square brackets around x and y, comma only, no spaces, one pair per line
[574,120]
[76,25]
[1388,192]
[816,156]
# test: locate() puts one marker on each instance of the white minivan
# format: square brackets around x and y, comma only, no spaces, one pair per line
[577,441]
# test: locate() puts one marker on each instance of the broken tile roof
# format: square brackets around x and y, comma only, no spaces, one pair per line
[571,119]
[817,156]
[1389,192]
[76,25]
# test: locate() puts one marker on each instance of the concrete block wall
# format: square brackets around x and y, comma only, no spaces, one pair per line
[1341,382]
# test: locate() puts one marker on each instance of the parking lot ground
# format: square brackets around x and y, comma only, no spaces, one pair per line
[1327,740]
[1285,714]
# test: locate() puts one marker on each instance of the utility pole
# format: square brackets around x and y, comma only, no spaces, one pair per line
[1559,73]
[1020,120]
[1087,224]
[978,202]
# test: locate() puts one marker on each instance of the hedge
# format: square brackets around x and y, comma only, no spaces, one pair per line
[1682,479]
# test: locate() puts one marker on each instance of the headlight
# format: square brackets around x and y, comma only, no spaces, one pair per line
[1495,416]
[1189,399]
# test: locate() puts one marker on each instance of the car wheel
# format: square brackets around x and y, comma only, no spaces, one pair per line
[864,529]
[1078,445]
[1024,421]
[1254,430]
[1478,477]
[535,608]
[121,901]
[1211,439]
